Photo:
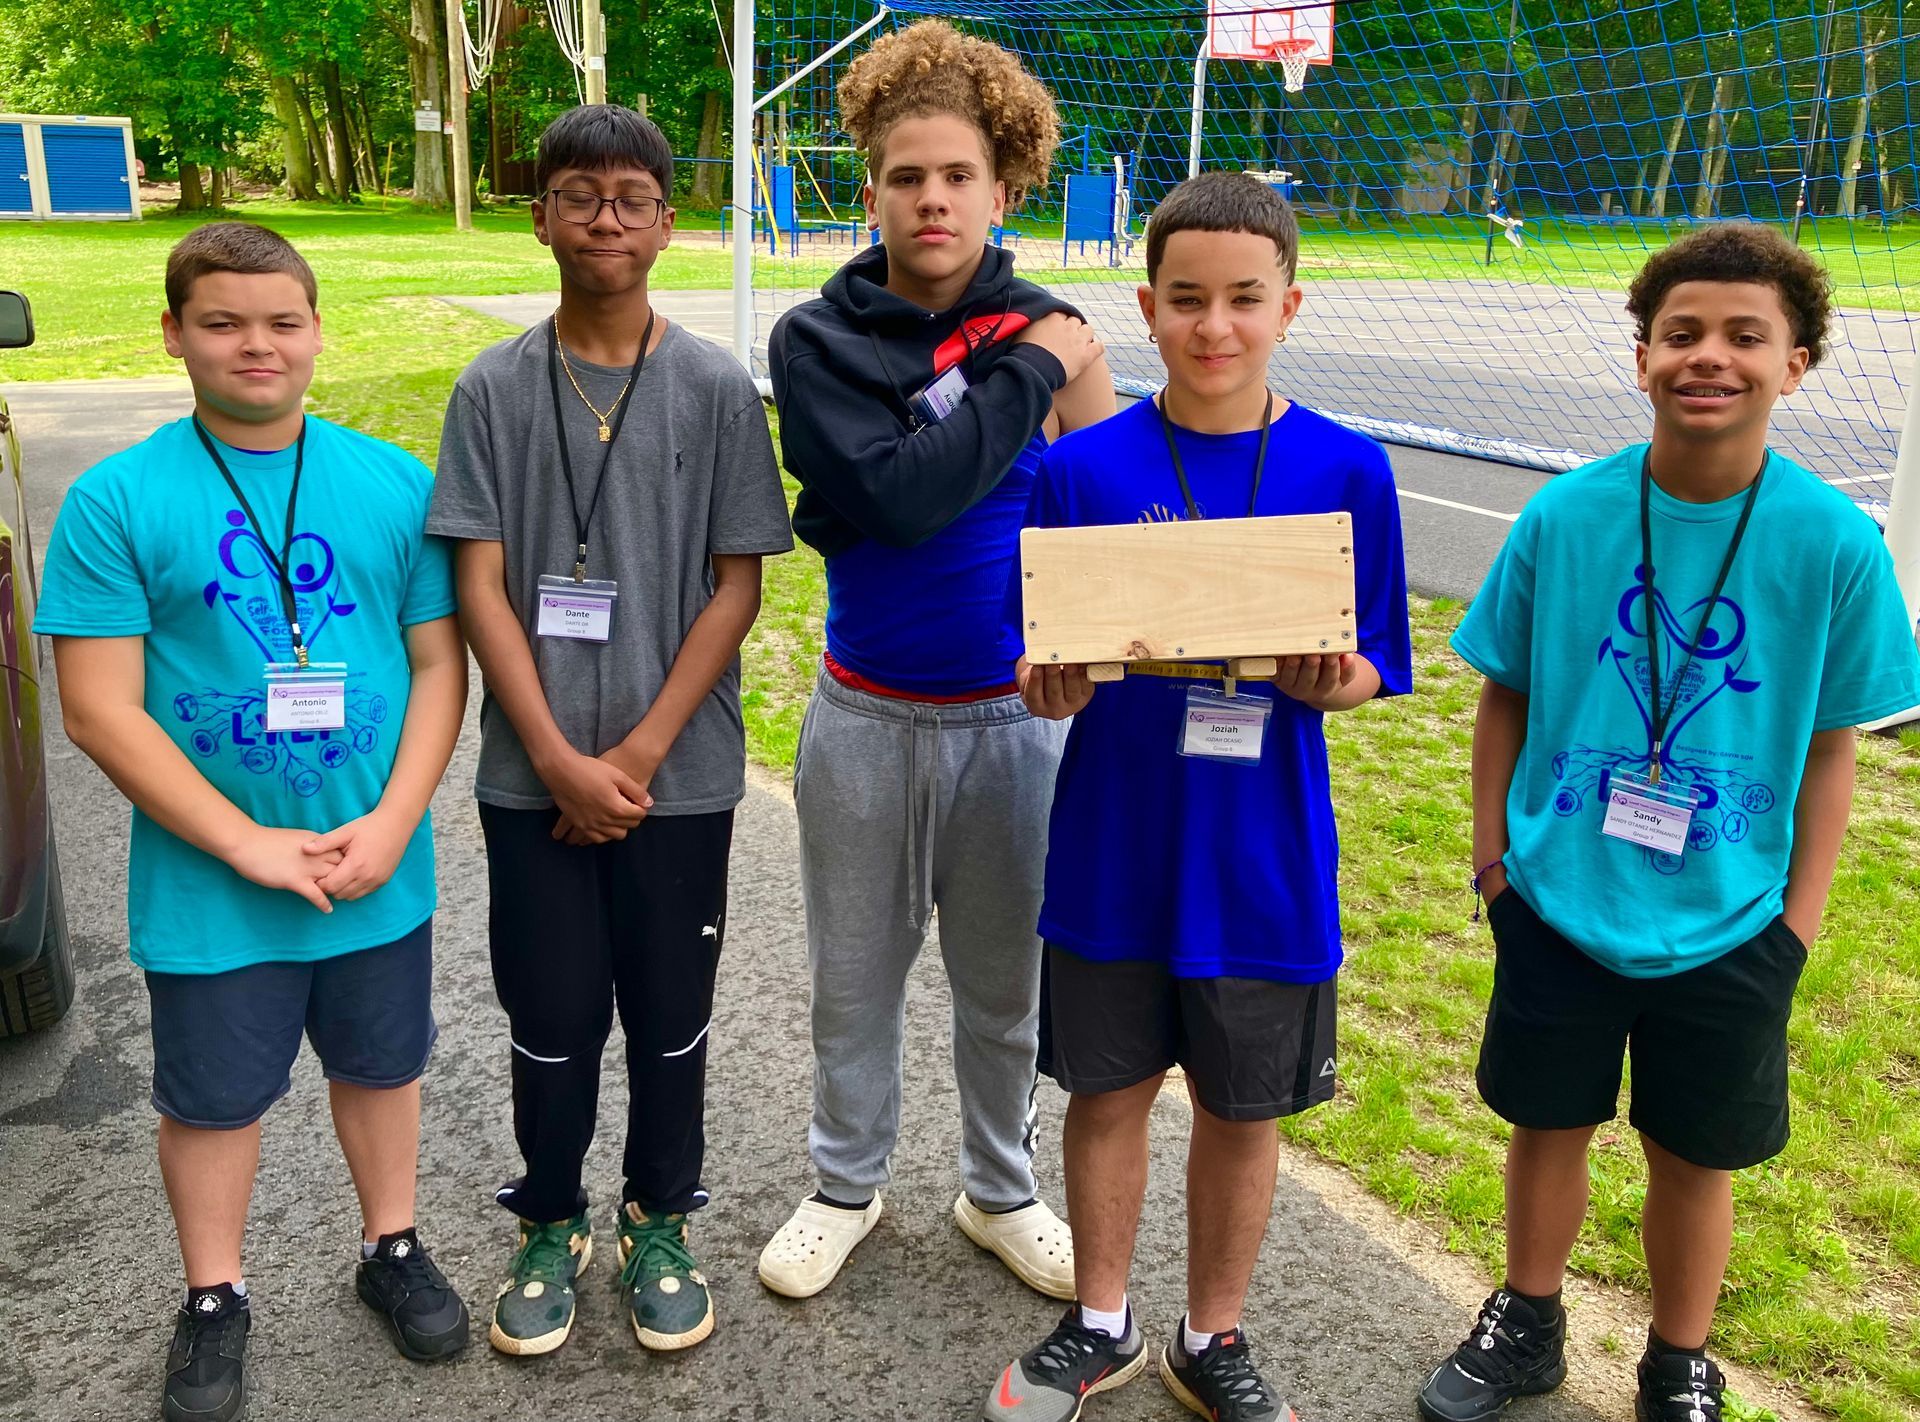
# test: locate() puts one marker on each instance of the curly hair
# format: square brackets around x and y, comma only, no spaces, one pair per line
[932,68]
[1745,252]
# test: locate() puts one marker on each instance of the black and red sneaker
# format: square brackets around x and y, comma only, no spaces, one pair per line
[1074,1362]
[1220,1381]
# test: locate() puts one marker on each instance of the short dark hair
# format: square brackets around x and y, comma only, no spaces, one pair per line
[1745,252]
[597,137]
[1224,202]
[243,247]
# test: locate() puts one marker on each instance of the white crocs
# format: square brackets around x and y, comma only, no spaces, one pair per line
[806,1253]
[1034,1243]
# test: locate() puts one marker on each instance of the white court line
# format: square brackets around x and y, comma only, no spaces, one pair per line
[1464,508]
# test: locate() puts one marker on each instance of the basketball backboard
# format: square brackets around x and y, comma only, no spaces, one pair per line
[1260,30]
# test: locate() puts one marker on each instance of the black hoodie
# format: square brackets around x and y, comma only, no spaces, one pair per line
[845,368]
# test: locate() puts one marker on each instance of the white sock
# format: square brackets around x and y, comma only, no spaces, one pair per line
[1114,1324]
[367,1248]
[240,1288]
[1193,1342]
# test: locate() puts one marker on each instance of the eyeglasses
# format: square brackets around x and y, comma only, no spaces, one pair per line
[583,208]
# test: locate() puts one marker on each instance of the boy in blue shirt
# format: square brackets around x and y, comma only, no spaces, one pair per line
[1191,913]
[256,642]
[1677,641]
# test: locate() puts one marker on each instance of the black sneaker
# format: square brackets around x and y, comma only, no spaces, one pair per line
[1677,1388]
[1220,1382]
[402,1285]
[1509,1354]
[207,1361]
[1073,1363]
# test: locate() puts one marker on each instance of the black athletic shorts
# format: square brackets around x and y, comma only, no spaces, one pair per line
[1253,1050]
[1709,1045]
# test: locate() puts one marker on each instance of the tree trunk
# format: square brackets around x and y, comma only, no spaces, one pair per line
[293,139]
[1848,204]
[1713,156]
[1639,205]
[366,131]
[426,67]
[216,183]
[192,197]
[1657,203]
[345,179]
[1460,199]
[707,186]
[317,145]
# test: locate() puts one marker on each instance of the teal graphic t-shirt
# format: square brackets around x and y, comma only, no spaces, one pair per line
[1810,635]
[152,543]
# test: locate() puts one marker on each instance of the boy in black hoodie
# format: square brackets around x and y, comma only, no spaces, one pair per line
[915,397]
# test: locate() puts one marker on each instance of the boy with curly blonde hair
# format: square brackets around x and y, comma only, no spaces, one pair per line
[916,395]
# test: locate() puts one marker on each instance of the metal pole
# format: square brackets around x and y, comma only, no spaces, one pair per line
[457,116]
[743,183]
[1494,174]
[1822,105]
[818,60]
[593,45]
[1903,512]
[1199,108]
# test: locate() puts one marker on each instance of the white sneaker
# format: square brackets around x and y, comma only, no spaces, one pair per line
[1034,1243]
[806,1253]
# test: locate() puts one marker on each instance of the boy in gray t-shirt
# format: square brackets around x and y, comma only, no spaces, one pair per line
[613,485]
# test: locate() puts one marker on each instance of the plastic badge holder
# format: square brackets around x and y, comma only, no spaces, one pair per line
[309,698]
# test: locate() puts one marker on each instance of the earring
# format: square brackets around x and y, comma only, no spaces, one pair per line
[1153,339]
[1283,338]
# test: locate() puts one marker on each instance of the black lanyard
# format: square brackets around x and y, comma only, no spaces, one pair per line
[1661,716]
[1180,471]
[279,564]
[582,526]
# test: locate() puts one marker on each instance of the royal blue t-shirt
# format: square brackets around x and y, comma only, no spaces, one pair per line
[151,543]
[1810,635]
[933,619]
[1215,869]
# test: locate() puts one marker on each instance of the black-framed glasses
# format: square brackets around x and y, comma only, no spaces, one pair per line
[581,207]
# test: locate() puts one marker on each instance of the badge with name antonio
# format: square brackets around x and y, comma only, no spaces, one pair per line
[307,698]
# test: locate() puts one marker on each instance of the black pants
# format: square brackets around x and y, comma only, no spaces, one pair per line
[575,931]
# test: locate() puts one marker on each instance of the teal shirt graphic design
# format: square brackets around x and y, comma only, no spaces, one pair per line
[152,543]
[234,722]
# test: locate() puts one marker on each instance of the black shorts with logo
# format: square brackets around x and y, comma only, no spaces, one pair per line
[1709,1045]
[1253,1050]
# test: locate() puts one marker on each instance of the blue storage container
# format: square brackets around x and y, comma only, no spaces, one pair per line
[67,165]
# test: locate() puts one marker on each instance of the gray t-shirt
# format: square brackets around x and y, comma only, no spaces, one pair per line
[691,475]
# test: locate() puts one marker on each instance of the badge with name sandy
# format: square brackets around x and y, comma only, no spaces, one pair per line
[579,611]
[1221,727]
[1649,815]
[309,698]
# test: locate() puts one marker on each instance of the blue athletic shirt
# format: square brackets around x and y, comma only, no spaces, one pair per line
[1810,635]
[1217,870]
[933,618]
[152,543]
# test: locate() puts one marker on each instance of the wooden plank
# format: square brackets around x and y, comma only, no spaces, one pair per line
[1205,590]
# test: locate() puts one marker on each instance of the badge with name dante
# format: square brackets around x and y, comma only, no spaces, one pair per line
[1217,726]
[1653,816]
[578,610]
[307,698]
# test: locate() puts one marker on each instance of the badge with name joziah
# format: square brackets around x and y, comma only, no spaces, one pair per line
[575,609]
[309,697]
[1216,726]
[1652,814]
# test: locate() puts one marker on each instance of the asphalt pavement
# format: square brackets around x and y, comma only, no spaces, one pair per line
[916,1327]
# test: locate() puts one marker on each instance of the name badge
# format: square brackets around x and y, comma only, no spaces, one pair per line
[1651,816]
[942,397]
[309,698]
[1225,728]
[575,612]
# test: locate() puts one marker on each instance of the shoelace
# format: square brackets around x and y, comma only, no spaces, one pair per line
[1229,1367]
[415,1271]
[1493,1351]
[206,1342]
[547,1255]
[1066,1349]
[659,1249]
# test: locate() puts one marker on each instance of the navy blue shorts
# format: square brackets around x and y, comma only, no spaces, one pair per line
[224,1043]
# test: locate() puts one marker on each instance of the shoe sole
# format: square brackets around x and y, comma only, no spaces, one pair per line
[1185,1398]
[807,1291]
[546,1342]
[1033,1279]
[1547,1382]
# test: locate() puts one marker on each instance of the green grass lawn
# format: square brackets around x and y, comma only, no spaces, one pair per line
[1824,1287]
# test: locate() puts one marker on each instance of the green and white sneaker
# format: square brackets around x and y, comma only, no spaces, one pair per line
[533,1312]
[667,1294]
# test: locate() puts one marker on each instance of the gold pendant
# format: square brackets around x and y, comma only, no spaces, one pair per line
[606,435]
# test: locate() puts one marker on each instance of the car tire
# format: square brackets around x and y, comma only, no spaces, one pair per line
[39,994]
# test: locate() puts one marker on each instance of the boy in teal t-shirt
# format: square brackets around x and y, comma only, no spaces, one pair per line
[281,877]
[1677,640]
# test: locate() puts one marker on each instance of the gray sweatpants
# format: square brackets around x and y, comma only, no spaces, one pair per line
[905,807]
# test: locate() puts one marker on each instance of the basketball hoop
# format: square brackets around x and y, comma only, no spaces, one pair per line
[1295,57]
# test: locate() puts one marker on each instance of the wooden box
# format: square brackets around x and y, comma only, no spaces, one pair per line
[1212,589]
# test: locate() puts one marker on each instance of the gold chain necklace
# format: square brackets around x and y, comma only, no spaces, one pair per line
[606,430]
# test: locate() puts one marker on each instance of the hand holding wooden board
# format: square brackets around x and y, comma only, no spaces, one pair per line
[1192,590]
